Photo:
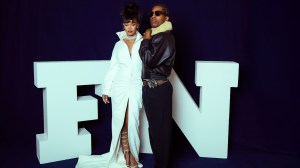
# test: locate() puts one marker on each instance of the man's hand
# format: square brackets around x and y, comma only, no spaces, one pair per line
[147,34]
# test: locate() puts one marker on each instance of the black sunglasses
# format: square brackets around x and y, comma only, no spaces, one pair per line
[157,13]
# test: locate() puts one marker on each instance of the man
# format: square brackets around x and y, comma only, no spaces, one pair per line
[157,52]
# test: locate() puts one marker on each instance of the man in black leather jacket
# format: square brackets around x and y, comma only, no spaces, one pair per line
[157,51]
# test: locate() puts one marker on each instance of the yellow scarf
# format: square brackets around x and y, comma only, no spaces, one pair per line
[167,25]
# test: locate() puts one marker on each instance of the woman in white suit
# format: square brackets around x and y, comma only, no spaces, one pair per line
[123,84]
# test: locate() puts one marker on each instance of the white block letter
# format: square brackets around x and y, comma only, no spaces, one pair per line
[206,129]
[63,109]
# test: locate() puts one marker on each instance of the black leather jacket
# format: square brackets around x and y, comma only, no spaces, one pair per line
[158,55]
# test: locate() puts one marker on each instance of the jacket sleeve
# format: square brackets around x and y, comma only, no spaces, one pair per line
[154,52]
[111,73]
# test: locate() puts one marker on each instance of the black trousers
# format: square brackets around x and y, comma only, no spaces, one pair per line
[158,107]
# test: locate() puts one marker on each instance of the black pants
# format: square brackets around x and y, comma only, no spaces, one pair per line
[158,107]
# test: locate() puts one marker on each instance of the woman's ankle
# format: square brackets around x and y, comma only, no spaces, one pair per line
[133,162]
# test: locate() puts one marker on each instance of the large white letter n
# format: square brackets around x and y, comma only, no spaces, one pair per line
[63,109]
[206,129]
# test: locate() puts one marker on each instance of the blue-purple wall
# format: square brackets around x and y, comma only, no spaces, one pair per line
[262,36]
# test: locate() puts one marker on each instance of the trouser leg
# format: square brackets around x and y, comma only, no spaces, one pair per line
[158,107]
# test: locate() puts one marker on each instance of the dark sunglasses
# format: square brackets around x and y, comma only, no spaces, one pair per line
[157,13]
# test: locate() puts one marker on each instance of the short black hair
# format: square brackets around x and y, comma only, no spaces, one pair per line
[165,8]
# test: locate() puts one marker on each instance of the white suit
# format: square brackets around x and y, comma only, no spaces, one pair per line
[123,84]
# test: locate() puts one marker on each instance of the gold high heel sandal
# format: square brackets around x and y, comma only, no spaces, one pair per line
[125,147]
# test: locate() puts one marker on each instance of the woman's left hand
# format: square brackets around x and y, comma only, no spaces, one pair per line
[105,99]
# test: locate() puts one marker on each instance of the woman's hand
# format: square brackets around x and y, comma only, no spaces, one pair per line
[105,99]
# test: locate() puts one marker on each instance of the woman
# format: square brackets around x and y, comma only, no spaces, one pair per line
[124,85]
